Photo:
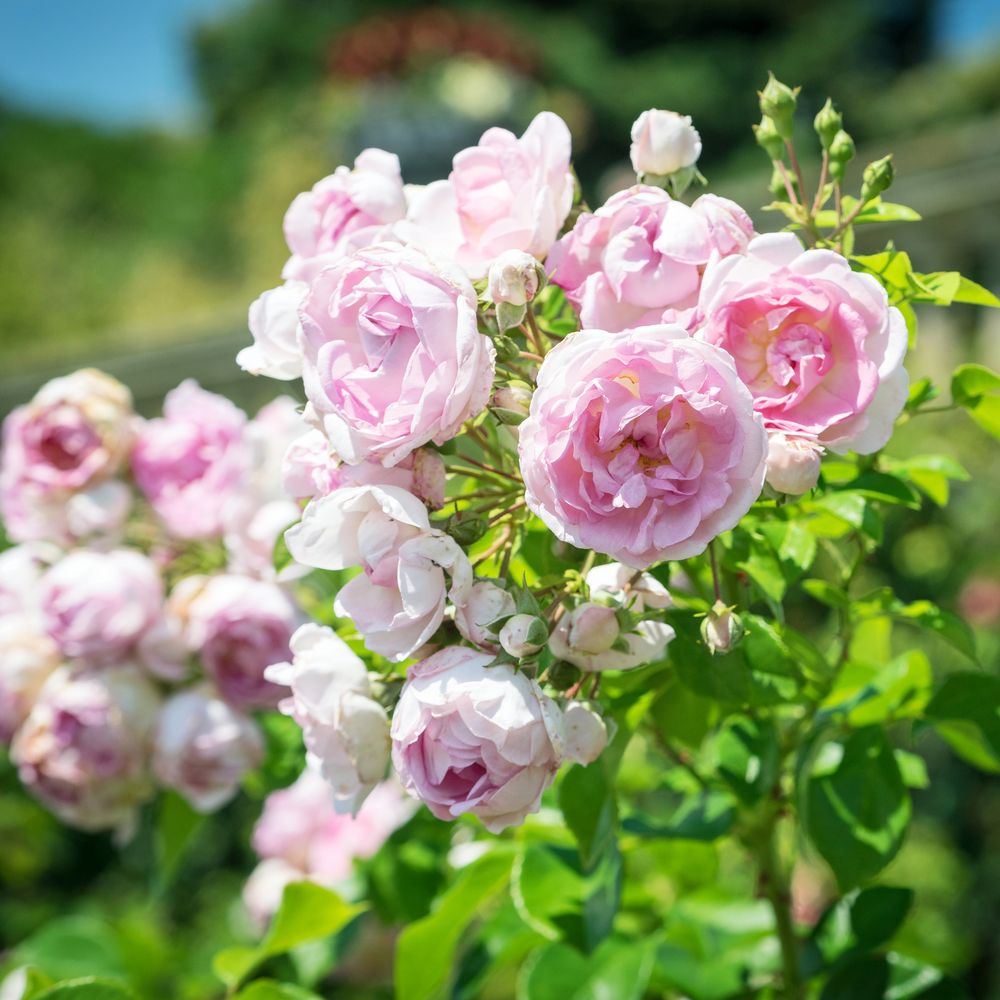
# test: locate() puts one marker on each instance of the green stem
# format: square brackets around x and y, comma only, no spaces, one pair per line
[775,886]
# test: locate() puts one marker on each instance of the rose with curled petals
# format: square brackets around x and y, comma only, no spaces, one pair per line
[642,445]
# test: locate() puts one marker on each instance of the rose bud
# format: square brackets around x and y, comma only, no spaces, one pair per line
[635,591]
[777,102]
[593,628]
[97,605]
[485,604]
[524,635]
[204,747]
[467,738]
[663,142]
[584,732]
[793,463]
[345,730]
[721,628]
[84,749]
[27,657]
[510,404]
[515,277]
[429,477]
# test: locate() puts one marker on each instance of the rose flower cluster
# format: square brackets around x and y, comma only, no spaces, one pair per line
[485,360]
[139,608]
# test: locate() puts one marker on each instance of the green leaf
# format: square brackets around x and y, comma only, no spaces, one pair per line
[308,912]
[913,768]
[705,815]
[545,887]
[929,473]
[426,949]
[855,805]
[910,979]
[587,800]
[975,388]
[177,824]
[884,487]
[87,988]
[942,288]
[269,989]
[868,693]
[878,912]
[862,977]
[73,946]
[973,294]
[745,753]
[826,593]
[922,390]
[965,711]
[618,969]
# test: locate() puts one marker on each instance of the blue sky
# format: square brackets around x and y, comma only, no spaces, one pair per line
[124,62]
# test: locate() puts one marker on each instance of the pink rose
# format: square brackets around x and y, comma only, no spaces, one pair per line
[817,343]
[730,229]
[393,354]
[636,261]
[398,603]
[504,194]
[346,731]
[97,605]
[344,212]
[193,461]
[643,446]
[71,438]
[274,325]
[467,738]
[240,626]
[84,749]
[21,570]
[27,657]
[204,747]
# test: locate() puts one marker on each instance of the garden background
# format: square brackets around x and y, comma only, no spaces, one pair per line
[147,152]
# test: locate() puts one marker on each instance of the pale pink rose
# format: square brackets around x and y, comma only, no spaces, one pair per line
[344,212]
[27,657]
[586,636]
[84,748]
[643,446]
[467,738]
[301,836]
[204,747]
[507,193]
[97,605]
[636,591]
[346,731]
[817,343]
[793,463]
[274,325]
[393,354]
[730,229]
[485,603]
[193,462]
[636,261]
[240,626]
[21,570]
[72,437]
[663,142]
[399,601]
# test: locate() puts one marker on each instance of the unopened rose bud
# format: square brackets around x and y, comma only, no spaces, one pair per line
[777,102]
[663,142]
[768,139]
[429,477]
[515,277]
[778,186]
[584,732]
[827,123]
[524,635]
[793,463]
[466,529]
[876,178]
[563,675]
[510,404]
[841,153]
[487,601]
[721,628]
[593,629]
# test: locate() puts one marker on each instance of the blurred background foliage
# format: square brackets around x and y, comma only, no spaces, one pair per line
[140,249]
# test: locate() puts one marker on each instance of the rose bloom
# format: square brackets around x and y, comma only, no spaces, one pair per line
[344,212]
[393,354]
[399,601]
[204,747]
[98,605]
[240,626]
[817,343]
[84,748]
[638,260]
[27,657]
[192,462]
[643,446]
[507,193]
[274,326]
[663,142]
[300,836]
[471,739]
[346,731]
[71,438]
[21,570]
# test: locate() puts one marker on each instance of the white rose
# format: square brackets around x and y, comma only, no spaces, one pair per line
[663,142]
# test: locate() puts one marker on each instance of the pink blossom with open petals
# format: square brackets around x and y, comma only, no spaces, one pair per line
[817,343]
[393,353]
[642,445]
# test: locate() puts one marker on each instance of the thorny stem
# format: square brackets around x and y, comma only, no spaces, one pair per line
[482,439]
[789,186]
[492,470]
[497,545]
